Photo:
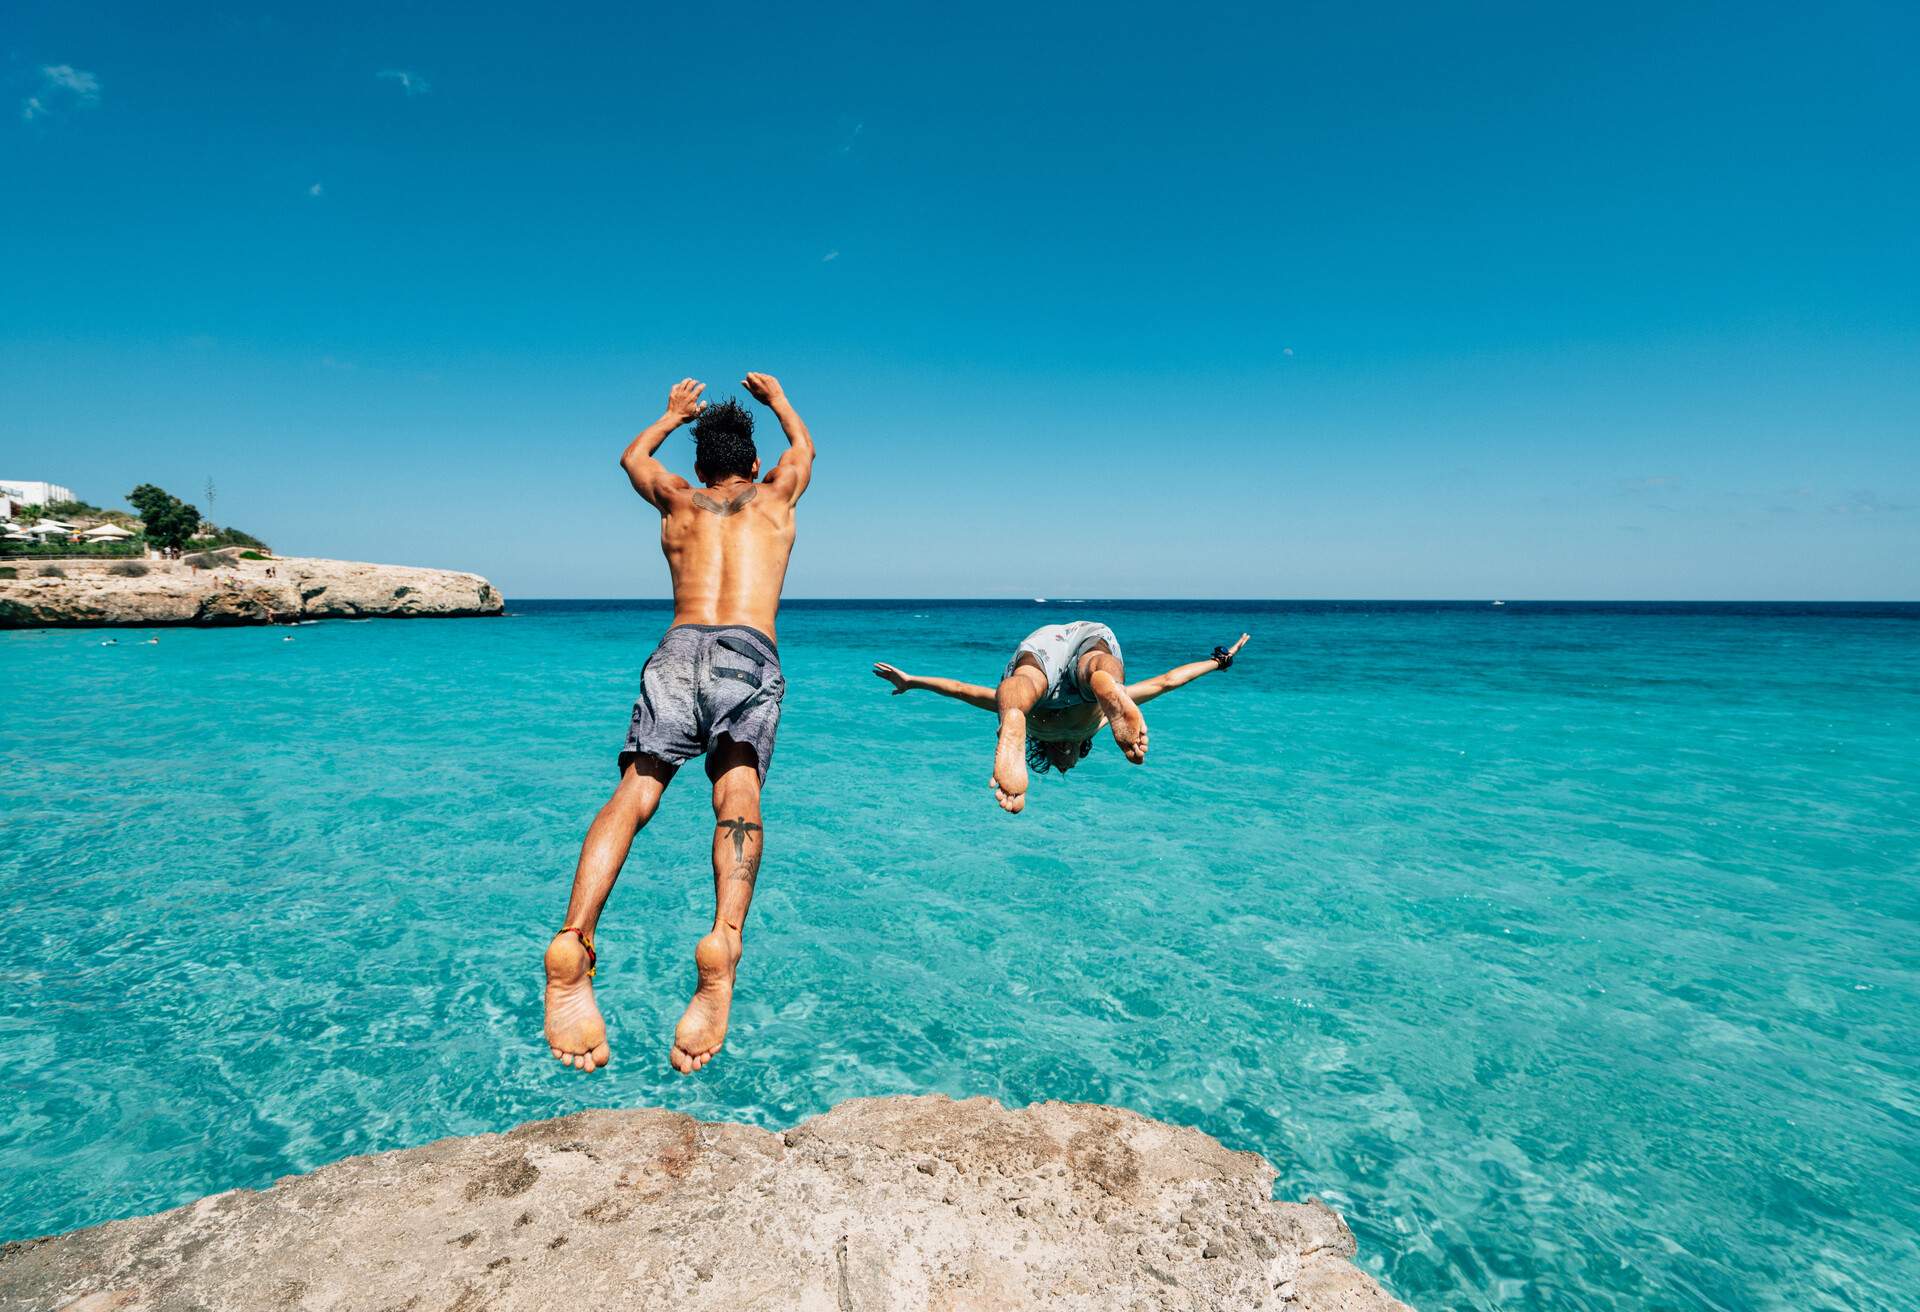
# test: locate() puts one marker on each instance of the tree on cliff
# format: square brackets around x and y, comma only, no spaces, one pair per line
[169,520]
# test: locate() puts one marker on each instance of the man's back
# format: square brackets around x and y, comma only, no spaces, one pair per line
[727,547]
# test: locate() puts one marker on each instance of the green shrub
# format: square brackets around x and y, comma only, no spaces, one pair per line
[9,572]
[130,569]
[77,510]
[251,555]
[131,547]
[168,520]
[52,572]
[207,560]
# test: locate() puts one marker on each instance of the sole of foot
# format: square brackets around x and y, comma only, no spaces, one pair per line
[703,1027]
[1123,716]
[1010,764]
[576,1032]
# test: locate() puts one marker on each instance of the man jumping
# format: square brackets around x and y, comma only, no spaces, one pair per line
[1064,683]
[713,685]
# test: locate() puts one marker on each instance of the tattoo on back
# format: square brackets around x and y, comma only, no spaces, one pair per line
[724,508]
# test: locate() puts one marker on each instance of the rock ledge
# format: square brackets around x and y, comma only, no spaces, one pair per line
[236,592]
[882,1204]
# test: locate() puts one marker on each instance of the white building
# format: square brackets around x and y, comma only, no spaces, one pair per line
[30,493]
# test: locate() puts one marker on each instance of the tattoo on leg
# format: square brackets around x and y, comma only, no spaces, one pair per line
[739,828]
[745,871]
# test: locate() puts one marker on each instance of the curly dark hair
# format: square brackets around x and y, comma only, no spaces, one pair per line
[1039,762]
[723,442]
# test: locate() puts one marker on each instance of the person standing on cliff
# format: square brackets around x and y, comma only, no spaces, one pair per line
[712,686]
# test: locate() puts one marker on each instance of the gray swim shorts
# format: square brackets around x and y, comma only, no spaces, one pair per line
[706,681]
[1058,648]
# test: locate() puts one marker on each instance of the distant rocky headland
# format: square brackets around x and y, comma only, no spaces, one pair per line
[235,590]
[881,1205]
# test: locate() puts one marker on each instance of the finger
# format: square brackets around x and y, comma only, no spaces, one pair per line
[698,388]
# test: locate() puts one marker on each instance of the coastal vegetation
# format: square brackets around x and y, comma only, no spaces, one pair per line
[76,510]
[123,548]
[161,521]
[167,520]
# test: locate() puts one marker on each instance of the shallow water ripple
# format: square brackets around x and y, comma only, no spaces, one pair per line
[1571,952]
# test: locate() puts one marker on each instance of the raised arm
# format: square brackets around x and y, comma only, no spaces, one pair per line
[795,469]
[970,693]
[1148,689]
[649,477]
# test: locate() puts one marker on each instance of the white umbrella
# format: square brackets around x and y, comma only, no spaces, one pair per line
[106,531]
[19,537]
[49,526]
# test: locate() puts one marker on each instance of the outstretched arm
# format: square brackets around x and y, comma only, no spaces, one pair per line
[1147,690]
[649,477]
[970,693]
[795,469]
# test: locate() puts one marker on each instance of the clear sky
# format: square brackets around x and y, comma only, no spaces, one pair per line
[1284,301]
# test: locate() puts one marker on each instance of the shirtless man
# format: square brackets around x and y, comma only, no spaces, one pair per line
[1064,683]
[713,685]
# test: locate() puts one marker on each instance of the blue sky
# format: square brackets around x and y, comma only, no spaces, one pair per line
[1404,301]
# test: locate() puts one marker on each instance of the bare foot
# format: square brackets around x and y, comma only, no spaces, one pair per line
[575,1029]
[703,1027]
[1010,763]
[1123,716]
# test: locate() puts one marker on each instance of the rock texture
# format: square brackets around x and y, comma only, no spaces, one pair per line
[236,592]
[881,1205]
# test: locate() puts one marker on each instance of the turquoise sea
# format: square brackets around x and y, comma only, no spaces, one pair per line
[1571,951]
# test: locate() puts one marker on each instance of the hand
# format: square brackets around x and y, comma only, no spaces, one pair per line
[1223,656]
[765,388]
[683,402]
[895,677]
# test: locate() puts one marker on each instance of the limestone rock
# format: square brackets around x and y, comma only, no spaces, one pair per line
[236,592]
[881,1205]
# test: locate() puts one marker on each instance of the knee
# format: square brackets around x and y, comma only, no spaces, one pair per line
[1016,692]
[633,811]
[737,799]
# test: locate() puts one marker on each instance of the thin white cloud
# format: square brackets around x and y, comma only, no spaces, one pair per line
[316,190]
[62,87]
[410,82]
[1867,502]
[829,257]
[77,80]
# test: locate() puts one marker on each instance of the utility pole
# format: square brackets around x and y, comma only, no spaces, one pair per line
[210,498]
